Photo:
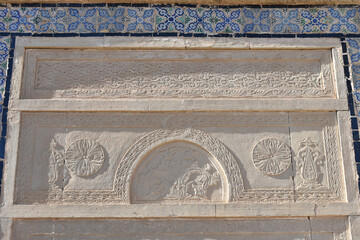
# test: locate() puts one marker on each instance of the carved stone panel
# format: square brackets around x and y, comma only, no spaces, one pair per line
[95,158]
[177,73]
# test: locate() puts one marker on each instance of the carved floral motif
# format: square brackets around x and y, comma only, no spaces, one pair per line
[271,156]
[308,161]
[84,157]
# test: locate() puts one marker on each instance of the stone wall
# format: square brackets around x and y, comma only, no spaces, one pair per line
[181,122]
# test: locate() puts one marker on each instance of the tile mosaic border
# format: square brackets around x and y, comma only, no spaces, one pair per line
[61,20]
[179,19]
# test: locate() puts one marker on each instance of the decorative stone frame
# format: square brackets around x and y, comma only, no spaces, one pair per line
[337,104]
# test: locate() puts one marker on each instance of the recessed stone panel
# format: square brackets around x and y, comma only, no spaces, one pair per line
[162,73]
[122,158]
[199,229]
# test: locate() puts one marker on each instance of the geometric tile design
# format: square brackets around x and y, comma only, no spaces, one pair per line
[180,19]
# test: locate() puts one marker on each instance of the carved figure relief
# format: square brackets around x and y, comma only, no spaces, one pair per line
[308,161]
[177,171]
[82,158]
[271,156]
[194,183]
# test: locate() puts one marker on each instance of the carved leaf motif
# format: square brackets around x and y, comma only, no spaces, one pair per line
[271,156]
[84,157]
[308,160]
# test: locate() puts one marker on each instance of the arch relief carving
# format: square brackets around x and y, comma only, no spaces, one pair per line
[177,171]
[233,183]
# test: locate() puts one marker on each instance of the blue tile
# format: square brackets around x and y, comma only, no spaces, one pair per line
[354,123]
[356,135]
[170,19]
[2,147]
[357,151]
[111,19]
[199,20]
[140,20]
[343,20]
[82,20]
[256,20]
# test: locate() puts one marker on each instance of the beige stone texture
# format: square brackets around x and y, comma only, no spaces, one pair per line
[174,138]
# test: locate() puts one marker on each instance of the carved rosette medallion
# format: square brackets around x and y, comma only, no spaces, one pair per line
[271,156]
[84,157]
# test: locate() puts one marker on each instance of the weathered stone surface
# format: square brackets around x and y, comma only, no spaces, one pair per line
[239,229]
[166,73]
[187,164]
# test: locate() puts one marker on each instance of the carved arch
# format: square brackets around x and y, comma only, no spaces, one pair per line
[158,137]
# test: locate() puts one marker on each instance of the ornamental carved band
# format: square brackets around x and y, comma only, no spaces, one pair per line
[233,186]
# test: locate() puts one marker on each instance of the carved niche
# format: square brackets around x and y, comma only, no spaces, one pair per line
[211,169]
[177,171]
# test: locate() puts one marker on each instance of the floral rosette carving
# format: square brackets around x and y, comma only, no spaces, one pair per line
[271,156]
[84,157]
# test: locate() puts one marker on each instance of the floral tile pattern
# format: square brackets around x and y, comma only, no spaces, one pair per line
[228,21]
[257,20]
[178,19]
[4,55]
[170,20]
[140,20]
[52,20]
[314,20]
[111,19]
[199,20]
[286,21]
[82,20]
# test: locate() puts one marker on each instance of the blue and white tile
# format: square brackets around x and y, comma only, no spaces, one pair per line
[53,20]
[170,19]
[111,19]
[82,20]
[4,57]
[199,20]
[140,20]
[285,21]
[4,19]
[314,20]
[256,20]
[343,20]
[228,21]
[23,19]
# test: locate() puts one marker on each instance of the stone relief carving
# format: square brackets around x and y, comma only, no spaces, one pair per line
[233,189]
[330,170]
[271,156]
[56,161]
[177,171]
[196,76]
[84,157]
[194,183]
[308,159]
